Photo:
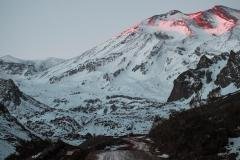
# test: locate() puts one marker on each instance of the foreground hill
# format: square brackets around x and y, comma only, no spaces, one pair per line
[211,131]
[206,132]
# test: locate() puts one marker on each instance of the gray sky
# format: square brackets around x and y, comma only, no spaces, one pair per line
[36,29]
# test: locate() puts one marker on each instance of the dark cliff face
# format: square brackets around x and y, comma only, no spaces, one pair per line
[9,92]
[204,62]
[192,80]
[185,85]
[189,82]
[231,72]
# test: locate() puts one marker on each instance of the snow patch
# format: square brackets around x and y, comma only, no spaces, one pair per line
[234,146]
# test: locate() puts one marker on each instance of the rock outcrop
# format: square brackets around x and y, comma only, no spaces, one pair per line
[231,72]
[191,81]
[9,92]
[186,84]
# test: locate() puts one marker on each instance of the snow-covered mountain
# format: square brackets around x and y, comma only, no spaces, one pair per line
[9,58]
[145,59]
[164,63]
[46,63]
[11,66]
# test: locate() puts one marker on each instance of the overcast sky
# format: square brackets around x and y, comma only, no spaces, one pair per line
[36,29]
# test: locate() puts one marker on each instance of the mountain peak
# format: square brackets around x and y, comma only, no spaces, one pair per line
[215,21]
[224,7]
[172,12]
[9,58]
[221,6]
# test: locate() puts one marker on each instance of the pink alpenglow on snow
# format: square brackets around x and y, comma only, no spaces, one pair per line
[175,26]
[129,31]
[178,26]
[201,20]
[216,21]
[222,26]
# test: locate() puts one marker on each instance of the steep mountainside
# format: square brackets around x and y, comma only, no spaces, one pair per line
[40,119]
[12,133]
[142,61]
[211,78]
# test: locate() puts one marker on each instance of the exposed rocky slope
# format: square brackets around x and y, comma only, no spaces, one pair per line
[211,78]
[231,72]
[17,68]
[14,66]
[37,117]
[12,133]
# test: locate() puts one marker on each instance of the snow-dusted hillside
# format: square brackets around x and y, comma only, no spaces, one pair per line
[113,115]
[42,120]
[11,133]
[11,67]
[9,58]
[41,64]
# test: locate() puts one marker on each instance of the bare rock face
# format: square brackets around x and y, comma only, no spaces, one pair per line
[9,92]
[204,62]
[214,93]
[31,69]
[192,80]
[90,65]
[231,72]
[189,82]
[185,85]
